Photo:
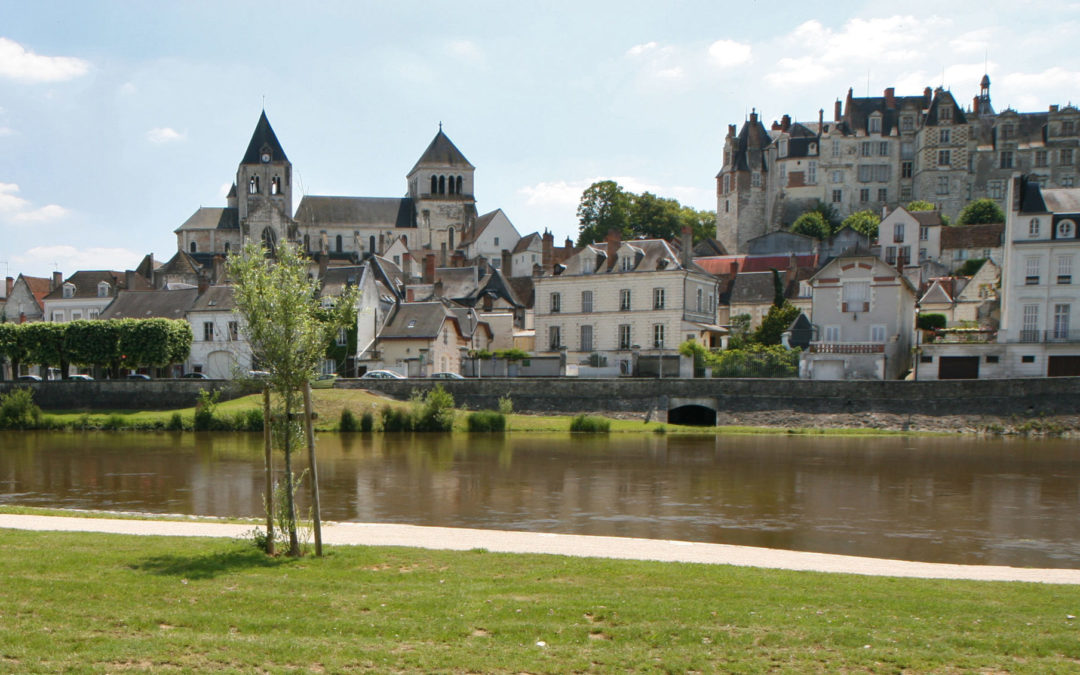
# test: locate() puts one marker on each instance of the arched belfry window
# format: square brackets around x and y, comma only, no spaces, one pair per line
[442,185]
[371,244]
[450,186]
[337,243]
[253,185]
[275,185]
[434,184]
[194,248]
[450,234]
[459,184]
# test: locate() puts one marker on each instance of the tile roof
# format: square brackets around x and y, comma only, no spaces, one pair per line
[1062,200]
[972,236]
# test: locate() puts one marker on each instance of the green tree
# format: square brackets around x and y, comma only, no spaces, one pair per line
[288,330]
[153,342]
[655,217]
[701,223]
[864,222]
[812,224]
[739,330]
[604,206]
[920,205]
[46,346]
[981,211]
[12,346]
[775,323]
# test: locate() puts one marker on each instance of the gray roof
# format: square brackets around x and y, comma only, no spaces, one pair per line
[86,283]
[415,320]
[181,263]
[363,211]
[337,279]
[753,288]
[151,304]
[212,218]
[215,299]
[442,153]
[263,138]
[525,242]
[1062,200]
[458,282]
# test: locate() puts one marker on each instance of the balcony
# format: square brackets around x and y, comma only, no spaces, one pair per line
[847,348]
[960,335]
[1049,336]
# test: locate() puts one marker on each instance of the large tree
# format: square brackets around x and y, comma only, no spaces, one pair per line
[812,224]
[606,206]
[981,211]
[288,329]
[864,222]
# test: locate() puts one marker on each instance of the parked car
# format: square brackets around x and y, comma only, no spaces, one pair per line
[138,376]
[80,377]
[382,375]
[29,378]
[445,376]
[324,381]
[195,376]
[258,374]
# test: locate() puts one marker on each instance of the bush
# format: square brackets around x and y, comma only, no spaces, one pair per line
[930,321]
[433,411]
[114,423]
[367,421]
[590,423]
[348,421]
[755,361]
[204,409]
[245,420]
[18,411]
[486,420]
[396,419]
[176,422]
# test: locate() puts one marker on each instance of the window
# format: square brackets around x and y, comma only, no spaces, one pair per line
[783,147]
[883,194]
[924,232]
[1033,228]
[905,254]
[253,185]
[992,358]
[496,241]
[208,331]
[866,173]
[626,263]
[342,337]
[1006,159]
[93,314]
[945,113]
[556,303]
[588,264]
[907,123]
[1040,158]
[944,157]
[883,148]
[856,296]
[658,298]
[944,136]
[875,125]
[1064,270]
[898,233]
[996,190]
[194,247]
[76,315]
[1067,128]
[586,301]
[832,333]
[907,169]
[554,338]
[890,255]
[1030,331]
[838,176]
[755,180]
[103,289]
[1065,229]
[58,317]
[811,173]
[923,255]
[907,150]
[783,173]
[338,243]
[624,300]
[586,339]
[866,149]
[234,331]
[943,185]
[1068,181]
[882,173]
[877,333]
[864,195]
[1031,271]
[1067,156]
[1061,322]
[727,183]
[700,299]
[275,185]
[658,336]
[624,336]
[1027,358]
[69,291]
[837,196]
[905,192]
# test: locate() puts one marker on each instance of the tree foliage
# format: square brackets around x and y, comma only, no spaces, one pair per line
[95,343]
[755,361]
[154,342]
[864,222]
[45,344]
[12,345]
[812,224]
[981,211]
[920,205]
[606,206]
[775,323]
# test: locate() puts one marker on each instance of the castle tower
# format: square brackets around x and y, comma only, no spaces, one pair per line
[264,188]
[441,186]
[983,107]
[741,186]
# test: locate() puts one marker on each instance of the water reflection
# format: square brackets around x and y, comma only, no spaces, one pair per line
[949,500]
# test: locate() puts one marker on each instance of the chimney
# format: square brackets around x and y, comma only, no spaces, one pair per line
[9,285]
[928,96]
[734,268]
[687,253]
[785,122]
[975,105]
[57,281]
[129,280]
[890,98]
[614,239]
[204,285]
[429,269]
[219,269]
[547,250]
[731,131]
[437,289]
[792,271]
[507,262]
[410,294]
[837,109]
[820,121]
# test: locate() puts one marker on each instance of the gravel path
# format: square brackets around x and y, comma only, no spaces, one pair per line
[462,539]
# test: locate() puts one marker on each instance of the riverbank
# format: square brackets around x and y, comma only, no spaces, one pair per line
[108,602]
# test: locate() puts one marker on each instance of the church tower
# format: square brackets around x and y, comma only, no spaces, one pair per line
[441,187]
[264,188]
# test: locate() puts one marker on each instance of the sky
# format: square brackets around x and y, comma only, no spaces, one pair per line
[119,119]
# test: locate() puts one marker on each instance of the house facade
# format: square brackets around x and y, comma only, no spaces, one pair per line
[85,294]
[219,348]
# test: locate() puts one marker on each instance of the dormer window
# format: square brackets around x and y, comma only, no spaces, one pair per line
[103,289]
[69,290]
[1033,228]
[626,264]
[945,113]
[875,125]
[1066,229]
[783,147]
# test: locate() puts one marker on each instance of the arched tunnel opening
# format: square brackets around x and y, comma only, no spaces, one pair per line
[692,415]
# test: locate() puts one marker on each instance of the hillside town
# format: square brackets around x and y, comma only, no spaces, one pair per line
[896,283]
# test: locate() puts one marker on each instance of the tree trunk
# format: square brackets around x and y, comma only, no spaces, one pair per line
[290,484]
[269,473]
[310,433]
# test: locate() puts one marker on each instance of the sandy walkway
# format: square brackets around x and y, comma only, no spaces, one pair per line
[372,534]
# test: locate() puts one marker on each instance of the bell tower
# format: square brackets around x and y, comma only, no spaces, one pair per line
[441,186]
[264,187]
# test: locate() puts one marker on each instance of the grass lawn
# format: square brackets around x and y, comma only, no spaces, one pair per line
[78,602]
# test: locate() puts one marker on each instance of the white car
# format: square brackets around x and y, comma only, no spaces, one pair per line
[382,375]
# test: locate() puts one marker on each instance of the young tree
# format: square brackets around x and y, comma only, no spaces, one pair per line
[981,211]
[920,205]
[812,224]
[288,329]
[864,222]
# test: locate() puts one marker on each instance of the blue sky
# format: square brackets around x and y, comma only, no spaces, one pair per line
[119,119]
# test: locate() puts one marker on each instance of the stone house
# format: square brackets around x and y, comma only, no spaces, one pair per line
[962,243]
[26,297]
[910,237]
[493,234]
[220,348]
[421,338]
[863,314]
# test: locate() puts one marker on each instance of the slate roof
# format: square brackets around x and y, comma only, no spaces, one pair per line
[857,112]
[212,218]
[86,284]
[708,247]
[214,299]
[442,153]
[458,282]
[524,290]
[337,279]
[942,97]
[927,217]
[151,304]
[1031,199]
[362,211]
[181,263]
[263,136]
[937,294]
[755,288]
[1062,200]
[426,319]
[752,138]
[972,236]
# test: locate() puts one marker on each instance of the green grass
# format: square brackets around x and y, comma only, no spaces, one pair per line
[80,602]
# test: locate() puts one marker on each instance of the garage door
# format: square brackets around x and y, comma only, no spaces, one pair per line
[958,368]
[1063,366]
[829,370]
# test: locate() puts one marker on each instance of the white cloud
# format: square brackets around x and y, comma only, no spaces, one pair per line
[466,50]
[973,42]
[161,135]
[638,50]
[16,209]
[805,70]
[128,88]
[556,193]
[18,63]
[728,53]
[39,260]
[567,194]
[1054,77]
[6,131]
[223,191]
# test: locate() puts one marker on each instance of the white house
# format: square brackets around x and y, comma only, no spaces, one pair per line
[493,234]
[220,348]
[863,312]
[910,238]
